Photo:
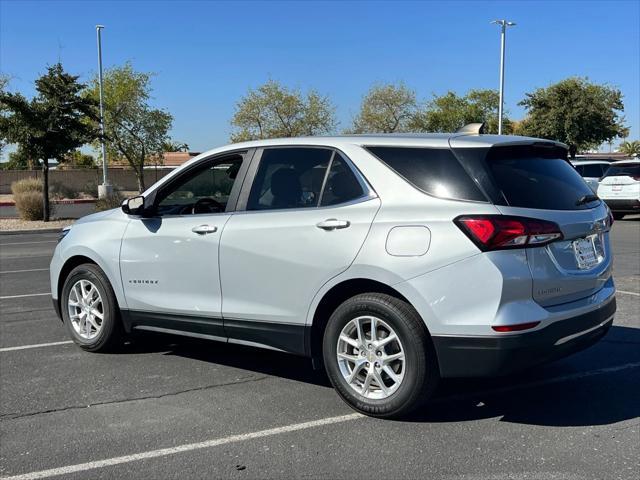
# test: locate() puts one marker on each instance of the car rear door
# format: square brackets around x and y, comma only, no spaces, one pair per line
[307,213]
[536,181]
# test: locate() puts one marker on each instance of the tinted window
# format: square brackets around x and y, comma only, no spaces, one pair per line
[341,185]
[592,170]
[289,178]
[434,171]
[628,170]
[537,177]
[205,190]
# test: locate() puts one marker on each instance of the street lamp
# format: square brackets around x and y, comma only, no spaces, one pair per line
[503,24]
[105,189]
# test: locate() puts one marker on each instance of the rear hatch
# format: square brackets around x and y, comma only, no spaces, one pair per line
[621,182]
[536,181]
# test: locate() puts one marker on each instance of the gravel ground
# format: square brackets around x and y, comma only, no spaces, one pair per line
[8,224]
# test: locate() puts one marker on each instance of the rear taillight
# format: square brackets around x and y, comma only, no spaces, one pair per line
[515,328]
[498,232]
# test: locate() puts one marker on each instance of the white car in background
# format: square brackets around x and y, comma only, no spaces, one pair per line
[620,187]
[591,171]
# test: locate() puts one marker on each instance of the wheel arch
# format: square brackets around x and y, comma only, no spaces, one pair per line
[80,259]
[331,299]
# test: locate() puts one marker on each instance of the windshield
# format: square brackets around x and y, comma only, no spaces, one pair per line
[537,177]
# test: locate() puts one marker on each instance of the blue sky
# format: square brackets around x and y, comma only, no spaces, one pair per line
[207,54]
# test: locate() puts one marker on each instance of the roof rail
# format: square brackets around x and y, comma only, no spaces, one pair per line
[472,128]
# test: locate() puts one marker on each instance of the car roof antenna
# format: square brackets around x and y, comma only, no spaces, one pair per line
[472,129]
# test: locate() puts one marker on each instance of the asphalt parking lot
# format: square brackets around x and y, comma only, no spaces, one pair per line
[175,408]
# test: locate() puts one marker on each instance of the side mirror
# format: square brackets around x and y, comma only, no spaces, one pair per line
[133,205]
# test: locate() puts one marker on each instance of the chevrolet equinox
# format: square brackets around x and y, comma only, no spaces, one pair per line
[392,260]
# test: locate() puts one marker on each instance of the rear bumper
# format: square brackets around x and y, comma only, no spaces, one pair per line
[623,205]
[501,355]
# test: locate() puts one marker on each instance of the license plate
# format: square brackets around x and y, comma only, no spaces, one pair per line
[617,188]
[585,251]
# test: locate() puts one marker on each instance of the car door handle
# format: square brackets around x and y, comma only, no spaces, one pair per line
[204,229]
[333,224]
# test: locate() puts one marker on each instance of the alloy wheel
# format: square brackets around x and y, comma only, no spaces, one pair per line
[371,357]
[86,310]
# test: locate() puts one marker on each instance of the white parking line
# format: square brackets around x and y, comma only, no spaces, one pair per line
[28,243]
[628,293]
[16,257]
[25,295]
[37,345]
[25,271]
[163,452]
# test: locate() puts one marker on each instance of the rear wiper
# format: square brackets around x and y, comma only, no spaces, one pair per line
[586,199]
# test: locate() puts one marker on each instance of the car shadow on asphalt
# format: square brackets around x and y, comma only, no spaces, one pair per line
[589,388]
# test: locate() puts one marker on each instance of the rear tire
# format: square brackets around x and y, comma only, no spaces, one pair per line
[618,215]
[90,310]
[358,361]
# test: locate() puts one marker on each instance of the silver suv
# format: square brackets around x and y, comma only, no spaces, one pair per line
[393,261]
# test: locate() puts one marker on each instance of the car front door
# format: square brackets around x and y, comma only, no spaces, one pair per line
[306,215]
[169,259]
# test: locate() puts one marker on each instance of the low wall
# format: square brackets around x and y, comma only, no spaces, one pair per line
[86,179]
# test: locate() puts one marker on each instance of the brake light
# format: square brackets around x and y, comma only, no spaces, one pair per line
[498,232]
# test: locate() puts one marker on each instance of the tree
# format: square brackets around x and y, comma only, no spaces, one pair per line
[632,149]
[51,124]
[449,112]
[574,111]
[4,81]
[77,159]
[386,108]
[273,111]
[18,160]
[134,130]
[173,146]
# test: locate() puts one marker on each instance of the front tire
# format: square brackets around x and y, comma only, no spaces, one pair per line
[379,356]
[618,215]
[90,310]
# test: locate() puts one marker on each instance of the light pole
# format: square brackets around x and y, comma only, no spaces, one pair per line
[503,24]
[105,189]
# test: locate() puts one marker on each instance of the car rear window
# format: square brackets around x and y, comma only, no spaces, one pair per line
[537,177]
[435,171]
[628,170]
[591,170]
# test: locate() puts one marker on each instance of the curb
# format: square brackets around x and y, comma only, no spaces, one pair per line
[78,201]
[32,231]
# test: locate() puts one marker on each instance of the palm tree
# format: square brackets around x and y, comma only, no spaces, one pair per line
[631,149]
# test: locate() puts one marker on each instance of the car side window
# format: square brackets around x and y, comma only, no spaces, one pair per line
[289,177]
[341,185]
[205,190]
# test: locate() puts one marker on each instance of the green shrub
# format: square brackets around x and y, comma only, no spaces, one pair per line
[29,205]
[27,194]
[60,190]
[112,201]
[90,188]
[30,184]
